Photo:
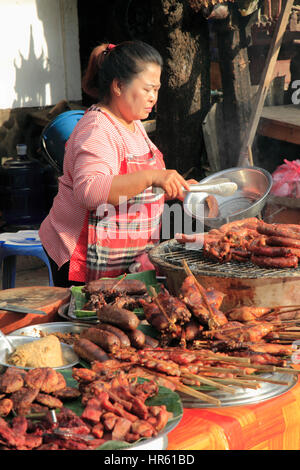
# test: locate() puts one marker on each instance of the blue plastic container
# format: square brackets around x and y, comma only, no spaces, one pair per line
[56,134]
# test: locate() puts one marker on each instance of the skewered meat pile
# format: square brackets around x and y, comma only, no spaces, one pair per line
[265,245]
[193,319]
[184,369]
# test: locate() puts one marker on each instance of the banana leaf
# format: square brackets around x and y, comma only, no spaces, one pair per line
[165,396]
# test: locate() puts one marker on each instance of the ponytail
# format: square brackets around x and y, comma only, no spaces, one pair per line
[89,80]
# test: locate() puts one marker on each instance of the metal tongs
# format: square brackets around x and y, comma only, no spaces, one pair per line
[219,186]
[220,189]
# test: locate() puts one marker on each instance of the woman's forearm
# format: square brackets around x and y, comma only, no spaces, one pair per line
[128,186]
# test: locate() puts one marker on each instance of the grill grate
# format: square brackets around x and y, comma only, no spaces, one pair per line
[172,254]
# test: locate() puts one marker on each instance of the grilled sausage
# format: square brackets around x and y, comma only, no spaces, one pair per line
[128,286]
[89,351]
[137,339]
[151,342]
[124,340]
[105,339]
[279,262]
[283,241]
[272,251]
[213,207]
[277,230]
[119,317]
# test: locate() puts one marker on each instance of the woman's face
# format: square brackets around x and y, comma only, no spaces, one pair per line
[137,99]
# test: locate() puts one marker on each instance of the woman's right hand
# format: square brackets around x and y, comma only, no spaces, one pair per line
[170,181]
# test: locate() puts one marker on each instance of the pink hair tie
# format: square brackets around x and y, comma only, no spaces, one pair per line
[109,48]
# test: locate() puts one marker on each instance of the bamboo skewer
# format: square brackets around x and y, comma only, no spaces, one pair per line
[189,391]
[287,370]
[286,334]
[196,394]
[222,370]
[262,379]
[120,280]
[207,381]
[221,358]
[289,308]
[238,382]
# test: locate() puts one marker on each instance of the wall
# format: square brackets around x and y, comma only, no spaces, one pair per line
[39,54]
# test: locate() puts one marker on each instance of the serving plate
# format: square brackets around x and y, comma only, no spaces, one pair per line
[69,354]
[66,312]
[165,396]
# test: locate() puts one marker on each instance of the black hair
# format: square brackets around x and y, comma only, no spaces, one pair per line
[124,62]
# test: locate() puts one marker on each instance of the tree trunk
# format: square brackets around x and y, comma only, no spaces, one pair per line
[182,38]
[236,85]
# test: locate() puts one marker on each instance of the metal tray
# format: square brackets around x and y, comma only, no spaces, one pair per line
[38,330]
[246,396]
[241,397]
[69,354]
[66,311]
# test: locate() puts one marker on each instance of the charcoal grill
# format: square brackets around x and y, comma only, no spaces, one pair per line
[243,283]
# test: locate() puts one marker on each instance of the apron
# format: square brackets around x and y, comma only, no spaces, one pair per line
[113,236]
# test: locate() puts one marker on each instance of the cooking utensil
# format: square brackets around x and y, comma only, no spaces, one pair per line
[221,189]
[254,185]
[18,309]
[219,186]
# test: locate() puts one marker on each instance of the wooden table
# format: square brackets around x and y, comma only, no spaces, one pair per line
[46,298]
[281,123]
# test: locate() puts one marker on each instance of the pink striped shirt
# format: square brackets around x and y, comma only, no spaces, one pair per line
[94,153]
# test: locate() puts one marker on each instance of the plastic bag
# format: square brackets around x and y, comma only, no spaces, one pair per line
[286,179]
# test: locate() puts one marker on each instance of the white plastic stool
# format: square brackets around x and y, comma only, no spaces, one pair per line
[23,242]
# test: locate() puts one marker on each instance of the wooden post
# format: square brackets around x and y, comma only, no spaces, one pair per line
[245,158]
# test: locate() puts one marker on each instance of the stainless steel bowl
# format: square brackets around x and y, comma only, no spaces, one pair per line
[69,354]
[254,185]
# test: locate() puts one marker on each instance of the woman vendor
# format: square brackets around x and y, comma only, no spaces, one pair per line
[106,214]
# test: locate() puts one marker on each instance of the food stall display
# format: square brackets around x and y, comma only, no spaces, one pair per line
[141,346]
